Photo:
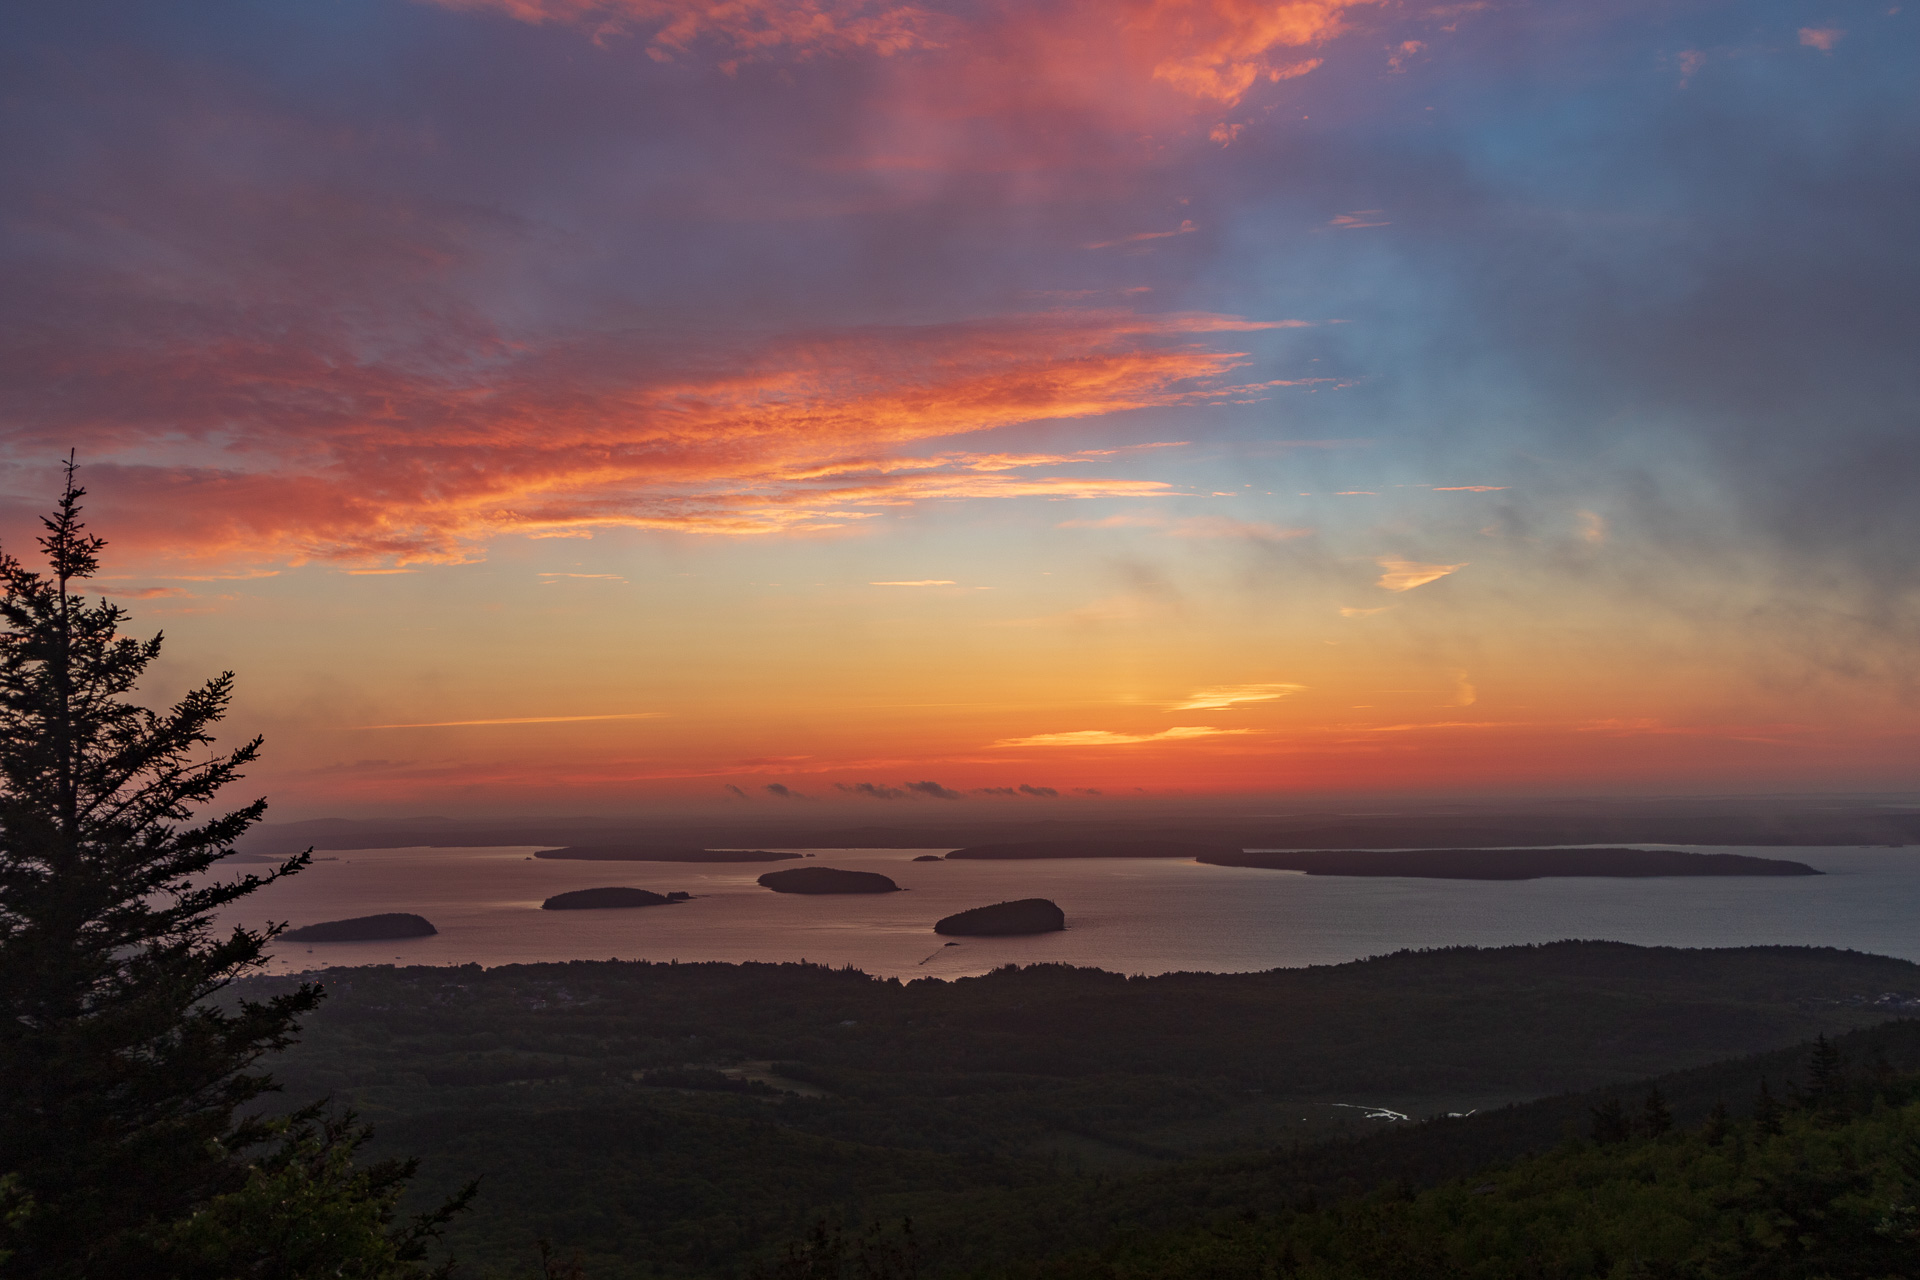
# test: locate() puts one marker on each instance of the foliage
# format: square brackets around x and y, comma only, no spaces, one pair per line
[1835,1194]
[306,1209]
[126,1107]
[1062,1106]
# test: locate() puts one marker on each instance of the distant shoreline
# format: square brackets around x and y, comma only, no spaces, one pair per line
[1513,864]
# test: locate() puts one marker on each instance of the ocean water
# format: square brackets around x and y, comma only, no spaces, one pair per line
[1129,915]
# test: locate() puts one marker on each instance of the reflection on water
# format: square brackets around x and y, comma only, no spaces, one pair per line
[1124,914]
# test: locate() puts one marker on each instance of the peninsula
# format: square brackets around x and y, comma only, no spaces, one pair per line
[644,853]
[1510,864]
[1094,849]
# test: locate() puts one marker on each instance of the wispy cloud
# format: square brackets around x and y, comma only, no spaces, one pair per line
[1210,53]
[1405,575]
[1348,611]
[1193,526]
[1108,738]
[918,582]
[1184,229]
[1357,219]
[1224,696]
[934,791]
[145,593]
[801,433]
[461,724]
[1821,38]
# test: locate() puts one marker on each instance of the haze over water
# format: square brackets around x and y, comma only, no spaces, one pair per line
[1129,915]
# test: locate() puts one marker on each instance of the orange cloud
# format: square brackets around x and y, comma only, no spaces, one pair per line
[1105,738]
[1222,698]
[1821,38]
[1405,575]
[1045,60]
[406,462]
[461,724]
[746,28]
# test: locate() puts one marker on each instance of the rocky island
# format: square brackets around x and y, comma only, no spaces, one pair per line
[644,853]
[1093,849]
[827,880]
[595,899]
[1510,864]
[1003,919]
[394,924]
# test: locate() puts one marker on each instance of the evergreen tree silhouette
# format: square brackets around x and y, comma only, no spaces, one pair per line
[1610,1123]
[1767,1112]
[121,1118]
[1719,1124]
[1826,1093]
[1655,1118]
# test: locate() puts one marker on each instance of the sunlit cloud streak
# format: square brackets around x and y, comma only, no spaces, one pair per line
[1108,738]
[328,457]
[461,724]
[1405,575]
[1213,51]
[1223,697]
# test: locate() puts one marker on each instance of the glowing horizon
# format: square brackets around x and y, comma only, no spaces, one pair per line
[588,405]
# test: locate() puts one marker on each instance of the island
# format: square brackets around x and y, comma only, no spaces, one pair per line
[394,924]
[827,880]
[1510,864]
[929,857]
[644,853]
[595,899]
[1094,849]
[1025,915]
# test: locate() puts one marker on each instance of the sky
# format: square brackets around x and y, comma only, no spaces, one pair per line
[621,406]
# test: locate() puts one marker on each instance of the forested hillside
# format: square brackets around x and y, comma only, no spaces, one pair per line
[685,1119]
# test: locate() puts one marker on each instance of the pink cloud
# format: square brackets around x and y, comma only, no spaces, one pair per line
[1821,38]
[289,448]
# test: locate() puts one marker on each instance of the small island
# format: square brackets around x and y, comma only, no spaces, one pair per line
[827,880]
[929,857]
[1093,849]
[394,924]
[645,853]
[1003,919]
[1511,864]
[596,899]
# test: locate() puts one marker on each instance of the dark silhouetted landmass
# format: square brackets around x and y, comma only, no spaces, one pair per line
[827,880]
[1512,864]
[1025,915]
[929,857]
[1116,848]
[1878,819]
[1056,1104]
[595,899]
[641,853]
[395,924]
